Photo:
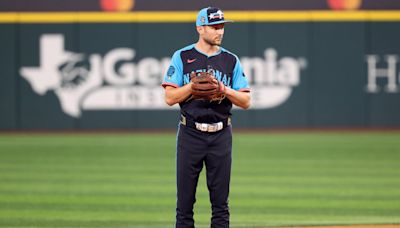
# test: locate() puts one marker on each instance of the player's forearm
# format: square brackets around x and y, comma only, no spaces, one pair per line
[177,95]
[241,99]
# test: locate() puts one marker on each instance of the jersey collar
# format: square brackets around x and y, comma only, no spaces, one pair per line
[208,56]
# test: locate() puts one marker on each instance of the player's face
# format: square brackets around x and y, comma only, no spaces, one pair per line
[213,34]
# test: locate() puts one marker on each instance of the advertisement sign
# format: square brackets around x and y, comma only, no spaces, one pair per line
[117,81]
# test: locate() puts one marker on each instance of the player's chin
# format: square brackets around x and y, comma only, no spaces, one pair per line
[218,42]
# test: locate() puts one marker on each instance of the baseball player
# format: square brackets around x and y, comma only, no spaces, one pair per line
[205,79]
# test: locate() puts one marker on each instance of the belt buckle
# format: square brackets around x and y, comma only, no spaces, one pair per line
[209,127]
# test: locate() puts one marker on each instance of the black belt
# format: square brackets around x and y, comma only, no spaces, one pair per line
[205,127]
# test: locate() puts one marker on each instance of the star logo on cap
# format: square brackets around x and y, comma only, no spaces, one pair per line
[219,14]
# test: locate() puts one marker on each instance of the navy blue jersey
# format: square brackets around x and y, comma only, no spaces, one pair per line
[227,69]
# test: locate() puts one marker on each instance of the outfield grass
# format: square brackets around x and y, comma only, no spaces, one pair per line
[128,180]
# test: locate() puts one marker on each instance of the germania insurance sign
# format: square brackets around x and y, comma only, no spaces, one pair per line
[117,81]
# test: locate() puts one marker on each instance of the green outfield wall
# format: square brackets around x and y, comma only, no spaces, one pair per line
[103,71]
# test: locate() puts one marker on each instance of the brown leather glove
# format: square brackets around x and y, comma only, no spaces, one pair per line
[206,86]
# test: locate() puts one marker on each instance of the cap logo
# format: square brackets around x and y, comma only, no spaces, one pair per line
[203,20]
[210,16]
[219,14]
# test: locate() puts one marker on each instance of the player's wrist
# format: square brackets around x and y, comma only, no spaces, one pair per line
[228,91]
[222,87]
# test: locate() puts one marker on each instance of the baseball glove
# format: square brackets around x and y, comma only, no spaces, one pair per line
[205,86]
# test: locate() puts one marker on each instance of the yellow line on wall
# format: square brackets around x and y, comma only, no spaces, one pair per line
[189,16]
[8,17]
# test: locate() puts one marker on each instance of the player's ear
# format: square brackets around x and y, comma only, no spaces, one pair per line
[200,29]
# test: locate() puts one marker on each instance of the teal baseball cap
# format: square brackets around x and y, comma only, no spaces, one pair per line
[210,16]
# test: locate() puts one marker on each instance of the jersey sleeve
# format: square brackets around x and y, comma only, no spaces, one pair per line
[174,75]
[239,78]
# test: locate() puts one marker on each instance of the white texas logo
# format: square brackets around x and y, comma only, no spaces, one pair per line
[114,82]
[49,75]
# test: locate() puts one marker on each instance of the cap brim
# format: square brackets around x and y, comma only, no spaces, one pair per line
[220,22]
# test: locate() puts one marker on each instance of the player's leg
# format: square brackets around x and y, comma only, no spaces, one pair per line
[189,163]
[218,164]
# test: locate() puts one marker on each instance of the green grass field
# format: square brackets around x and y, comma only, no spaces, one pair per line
[128,180]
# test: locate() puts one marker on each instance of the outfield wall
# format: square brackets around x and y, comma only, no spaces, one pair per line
[103,71]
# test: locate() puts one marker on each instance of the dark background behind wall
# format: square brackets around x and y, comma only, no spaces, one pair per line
[177,5]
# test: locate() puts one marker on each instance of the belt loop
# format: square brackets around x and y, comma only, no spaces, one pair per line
[183,120]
